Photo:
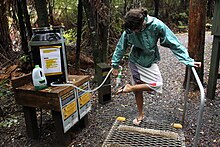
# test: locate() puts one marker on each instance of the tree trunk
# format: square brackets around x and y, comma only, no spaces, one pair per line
[93,32]
[26,18]
[51,19]
[22,29]
[5,41]
[210,8]
[98,22]
[90,14]
[125,7]
[79,32]
[184,5]
[41,7]
[156,7]
[104,33]
[197,19]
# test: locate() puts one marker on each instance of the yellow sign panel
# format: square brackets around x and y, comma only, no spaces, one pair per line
[49,51]
[69,109]
[84,99]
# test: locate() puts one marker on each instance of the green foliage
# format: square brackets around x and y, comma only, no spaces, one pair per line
[183,15]
[4,89]
[65,11]
[117,22]
[10,121]
[179,18]
[70,36]
[24,59]
[66,4]
[181,25]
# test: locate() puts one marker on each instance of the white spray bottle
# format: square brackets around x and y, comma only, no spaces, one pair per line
[118,79]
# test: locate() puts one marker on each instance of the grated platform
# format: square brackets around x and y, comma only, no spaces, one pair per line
[148,133]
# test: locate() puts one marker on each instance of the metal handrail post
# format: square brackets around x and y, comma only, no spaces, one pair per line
[186,95]
[202,102]
[201,108]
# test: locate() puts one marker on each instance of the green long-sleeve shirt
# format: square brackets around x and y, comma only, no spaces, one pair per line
[144,50]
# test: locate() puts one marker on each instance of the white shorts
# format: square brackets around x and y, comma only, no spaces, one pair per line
[150,76]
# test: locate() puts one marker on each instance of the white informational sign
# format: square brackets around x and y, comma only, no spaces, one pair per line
[75,103]
[84,101]
[69,111]
[51,59]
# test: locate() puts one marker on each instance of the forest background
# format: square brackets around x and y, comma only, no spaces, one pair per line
[98,24]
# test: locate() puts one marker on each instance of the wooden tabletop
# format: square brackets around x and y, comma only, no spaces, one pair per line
[48,98]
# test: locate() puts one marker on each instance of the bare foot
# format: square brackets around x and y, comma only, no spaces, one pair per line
[124,89]
[127,88]
[138,120]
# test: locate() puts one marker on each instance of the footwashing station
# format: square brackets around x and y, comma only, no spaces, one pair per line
[153,133]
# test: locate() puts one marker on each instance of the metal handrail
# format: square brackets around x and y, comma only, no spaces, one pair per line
[202,102]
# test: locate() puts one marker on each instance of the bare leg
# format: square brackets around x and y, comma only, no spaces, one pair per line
[139,102]
[136,88]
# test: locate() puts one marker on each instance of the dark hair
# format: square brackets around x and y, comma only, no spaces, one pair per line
[134,19]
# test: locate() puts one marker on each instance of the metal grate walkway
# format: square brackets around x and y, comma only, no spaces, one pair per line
[148,133]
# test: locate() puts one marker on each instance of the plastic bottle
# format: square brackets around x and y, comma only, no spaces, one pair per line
[38,77]
[118,79]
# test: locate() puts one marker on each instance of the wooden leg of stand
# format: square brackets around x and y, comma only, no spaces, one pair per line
[31,122]
[61,137]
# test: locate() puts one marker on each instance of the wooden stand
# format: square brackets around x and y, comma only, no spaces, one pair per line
[30,99]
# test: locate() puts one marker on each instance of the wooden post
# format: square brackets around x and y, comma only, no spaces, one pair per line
[62,139]
[31,122]
[214,65]
[84,122]
[197,9]
[104,93]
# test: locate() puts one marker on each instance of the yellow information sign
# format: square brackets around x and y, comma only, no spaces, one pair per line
[85,98]
[69,109]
